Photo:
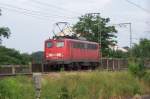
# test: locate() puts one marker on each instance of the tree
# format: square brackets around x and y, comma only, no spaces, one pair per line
[94,28]
[4,32]
[118,54]
[141,50]
[136,67]
[11,56]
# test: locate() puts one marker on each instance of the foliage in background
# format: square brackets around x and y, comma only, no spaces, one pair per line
[141,50]
[117,54]
[4,32]
[11,56]
[136,67]
[90,27]
[138,54]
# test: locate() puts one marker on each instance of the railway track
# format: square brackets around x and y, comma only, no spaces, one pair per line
[17,74]
[43,73]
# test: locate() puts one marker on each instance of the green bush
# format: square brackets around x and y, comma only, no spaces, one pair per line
[136,67]
[16,88]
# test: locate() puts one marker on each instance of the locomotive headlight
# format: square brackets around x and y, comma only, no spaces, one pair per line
[54,55]
[50,55]
[59,54]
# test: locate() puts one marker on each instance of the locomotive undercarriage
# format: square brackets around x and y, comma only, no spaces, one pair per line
[69,66]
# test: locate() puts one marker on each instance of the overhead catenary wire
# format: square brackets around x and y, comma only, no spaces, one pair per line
[34,12]
[24,13]
[30,13]
[54,6]
[56,12]
[18,9]
[138,6]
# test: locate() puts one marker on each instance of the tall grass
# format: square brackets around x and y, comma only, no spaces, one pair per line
[19,87]
[76,85]
[93,85]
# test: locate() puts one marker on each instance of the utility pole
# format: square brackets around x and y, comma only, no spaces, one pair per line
[99,33]
[130,32]
[130,35]
[0,12]
[0,36]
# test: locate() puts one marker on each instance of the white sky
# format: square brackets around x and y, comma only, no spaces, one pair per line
[29,33]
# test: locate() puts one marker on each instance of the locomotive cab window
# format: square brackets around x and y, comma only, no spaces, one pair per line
[60,44]
[49,44]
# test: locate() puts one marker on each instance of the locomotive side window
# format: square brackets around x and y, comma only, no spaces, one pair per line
[78,45]
[60,44]
[85,46]
[49,44]
[81,45]
[75,45]
[92,46]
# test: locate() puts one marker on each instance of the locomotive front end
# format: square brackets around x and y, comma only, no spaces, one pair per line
[54,51]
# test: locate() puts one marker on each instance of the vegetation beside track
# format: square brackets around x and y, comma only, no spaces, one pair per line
[19,87]
[77,85]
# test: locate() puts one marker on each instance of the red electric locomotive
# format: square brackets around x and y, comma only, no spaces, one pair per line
[71,53]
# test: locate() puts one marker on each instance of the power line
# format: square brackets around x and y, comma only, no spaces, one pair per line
[138,6]
[24,13]
[54,6]
[31,12]
[55,12]
[14,8]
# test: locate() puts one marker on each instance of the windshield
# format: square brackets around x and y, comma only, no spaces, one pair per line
[59,44]
[49,44]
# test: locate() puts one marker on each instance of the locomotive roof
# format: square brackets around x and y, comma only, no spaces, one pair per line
[72,40]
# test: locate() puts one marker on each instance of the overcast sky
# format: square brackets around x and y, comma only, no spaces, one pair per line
[31,21]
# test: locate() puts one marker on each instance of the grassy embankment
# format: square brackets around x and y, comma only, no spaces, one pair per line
[77,85]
